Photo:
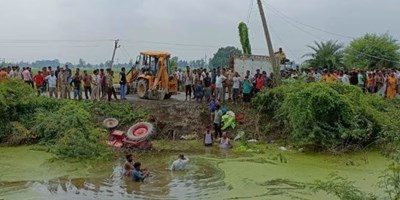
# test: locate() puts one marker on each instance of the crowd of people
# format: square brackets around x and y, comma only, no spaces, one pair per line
[384,82]
[62,81]
[198,84]
[202,84]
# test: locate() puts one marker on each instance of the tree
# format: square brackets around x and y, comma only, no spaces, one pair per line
[373,51]
[107,63]
[46,63]
[70,65]
[173,64]
[244,38]
[326,54]
[131,63]
[221,58]
[82,63]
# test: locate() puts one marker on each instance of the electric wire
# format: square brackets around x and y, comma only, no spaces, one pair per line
[250,11]
[290,20]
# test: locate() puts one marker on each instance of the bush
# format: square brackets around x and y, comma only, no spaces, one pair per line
[342,188]
[328,116]
[71,129]
[74,131]
[390,181]
[80,144]
[14,97]
[51,126]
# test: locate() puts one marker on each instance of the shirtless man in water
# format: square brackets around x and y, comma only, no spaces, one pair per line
[128,166]
[225,142]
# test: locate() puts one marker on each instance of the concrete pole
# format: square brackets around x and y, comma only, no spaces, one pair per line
[116,46]
[275,65]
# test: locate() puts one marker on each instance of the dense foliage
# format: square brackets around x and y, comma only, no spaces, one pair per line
[244,38]
[221,58]
[325,54]
[328,116]
[15,98]
[71,129]
[373,51]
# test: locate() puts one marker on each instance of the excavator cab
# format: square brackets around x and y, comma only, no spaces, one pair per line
[154,81]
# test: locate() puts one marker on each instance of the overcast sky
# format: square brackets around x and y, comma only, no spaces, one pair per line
[190,29]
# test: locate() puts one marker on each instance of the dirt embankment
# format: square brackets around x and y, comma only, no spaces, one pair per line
[174,119]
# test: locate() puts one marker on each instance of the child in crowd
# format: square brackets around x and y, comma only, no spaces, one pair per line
[213,106]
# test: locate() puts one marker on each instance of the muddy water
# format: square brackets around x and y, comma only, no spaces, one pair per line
[29,174]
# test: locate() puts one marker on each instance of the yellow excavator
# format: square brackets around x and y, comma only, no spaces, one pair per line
[152,79]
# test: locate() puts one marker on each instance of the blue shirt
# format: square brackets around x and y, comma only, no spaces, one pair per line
[137,176]
[213,106]
[246,87]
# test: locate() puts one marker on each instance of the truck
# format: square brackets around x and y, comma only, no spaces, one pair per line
[242,63]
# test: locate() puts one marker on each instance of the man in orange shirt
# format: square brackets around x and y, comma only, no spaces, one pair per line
[3,74]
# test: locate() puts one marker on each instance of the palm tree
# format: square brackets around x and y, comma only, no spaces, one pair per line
[326,54]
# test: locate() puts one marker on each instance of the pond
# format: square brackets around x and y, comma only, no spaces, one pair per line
[26,173]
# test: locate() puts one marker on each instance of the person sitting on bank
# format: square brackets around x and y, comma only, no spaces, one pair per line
[137,174]
[225,142]
[208,138]
[179,164]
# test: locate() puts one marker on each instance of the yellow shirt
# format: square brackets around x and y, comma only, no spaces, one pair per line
[280,55]
[329,78]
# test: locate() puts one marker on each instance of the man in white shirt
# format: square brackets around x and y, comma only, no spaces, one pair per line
[220,86]
[96,85]
[178,77]
[12,74]
[180,164]
[203,74]
[188,83]
[345,79]
[52,81]
[236,87]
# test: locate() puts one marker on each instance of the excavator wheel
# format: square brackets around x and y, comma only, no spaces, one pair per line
[142,88]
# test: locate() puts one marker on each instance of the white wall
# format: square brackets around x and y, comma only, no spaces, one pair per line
[252,63]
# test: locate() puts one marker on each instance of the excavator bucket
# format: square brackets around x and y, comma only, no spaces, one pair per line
[157,94]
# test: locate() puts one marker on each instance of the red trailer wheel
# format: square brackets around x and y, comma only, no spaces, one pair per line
[110,123]
[140,131]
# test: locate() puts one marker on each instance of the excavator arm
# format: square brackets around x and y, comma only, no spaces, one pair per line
[161,79]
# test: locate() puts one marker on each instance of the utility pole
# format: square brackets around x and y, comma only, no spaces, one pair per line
[275,66]
[116,46]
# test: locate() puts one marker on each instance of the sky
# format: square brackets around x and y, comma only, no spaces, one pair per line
[190,29]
